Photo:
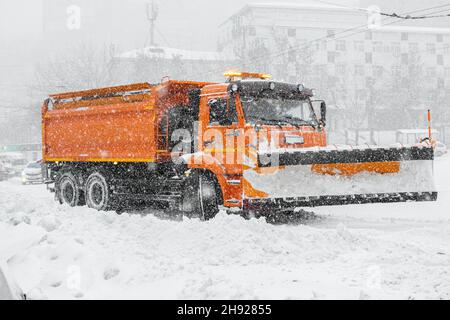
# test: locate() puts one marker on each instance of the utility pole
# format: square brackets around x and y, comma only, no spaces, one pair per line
[152,14]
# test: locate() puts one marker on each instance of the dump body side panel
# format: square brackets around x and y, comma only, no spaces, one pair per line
[101,133]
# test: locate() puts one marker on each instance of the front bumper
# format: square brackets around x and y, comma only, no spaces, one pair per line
[32,179]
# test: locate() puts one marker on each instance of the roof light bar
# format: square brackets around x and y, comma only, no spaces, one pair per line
[246,75]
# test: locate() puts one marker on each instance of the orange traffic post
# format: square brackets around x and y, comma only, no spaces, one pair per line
[429,124]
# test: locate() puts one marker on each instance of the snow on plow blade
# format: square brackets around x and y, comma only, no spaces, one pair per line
[328,176]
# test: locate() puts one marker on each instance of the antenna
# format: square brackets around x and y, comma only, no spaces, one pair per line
[152,14]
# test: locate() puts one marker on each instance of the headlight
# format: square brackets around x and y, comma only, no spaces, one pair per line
[272,86]
[301,87]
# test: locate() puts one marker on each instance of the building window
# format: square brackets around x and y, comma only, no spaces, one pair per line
[431,48]
[405,58]
[432,95]
[330,33]
[359,46]
[446,48]
[332,82]
[361,94]
[331,57]
[414,47]
[341,45]
[378,71]
[404,37]
[359,70]
[341,69]
[431,72]
[413,70]
[440,60]
[440,38]
[396,70]
[370,82]
[369,35]
[447,73]
[292,32]
[377,46]
[292,55]
[319,69]
[396,49]
[369,57]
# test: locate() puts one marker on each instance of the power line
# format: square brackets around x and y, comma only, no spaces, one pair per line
[409,17]
[392,15]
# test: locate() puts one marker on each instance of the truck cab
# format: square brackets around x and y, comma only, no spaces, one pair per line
[244,117]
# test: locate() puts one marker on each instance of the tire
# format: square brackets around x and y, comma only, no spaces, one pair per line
[68,191]
[97,193]
[201,197]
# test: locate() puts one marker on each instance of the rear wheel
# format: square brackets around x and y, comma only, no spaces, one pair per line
[68,191]
[97,192]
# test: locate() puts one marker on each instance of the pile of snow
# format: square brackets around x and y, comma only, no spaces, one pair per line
[392,251]
[9,289]
[14,239]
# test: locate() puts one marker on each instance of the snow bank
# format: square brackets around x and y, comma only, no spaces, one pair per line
[354,252]
[9,289]
[14,240]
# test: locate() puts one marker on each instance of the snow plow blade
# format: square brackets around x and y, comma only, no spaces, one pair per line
[331,176]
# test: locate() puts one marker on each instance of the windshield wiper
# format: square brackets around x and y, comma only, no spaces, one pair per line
[297,122]
[277,122]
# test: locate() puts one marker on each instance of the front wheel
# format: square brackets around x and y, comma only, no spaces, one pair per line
[201,197]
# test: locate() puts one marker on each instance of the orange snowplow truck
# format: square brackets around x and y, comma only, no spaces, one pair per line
[248,143]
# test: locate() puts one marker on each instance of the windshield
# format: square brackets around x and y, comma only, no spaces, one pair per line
[277,111]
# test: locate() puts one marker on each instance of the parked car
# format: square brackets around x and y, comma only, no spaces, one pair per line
[32,173]
[4,174]
[15,162]
[440,149]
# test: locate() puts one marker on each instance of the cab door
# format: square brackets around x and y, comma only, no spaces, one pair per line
[222,132]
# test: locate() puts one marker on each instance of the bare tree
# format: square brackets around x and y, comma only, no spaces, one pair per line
[81,67]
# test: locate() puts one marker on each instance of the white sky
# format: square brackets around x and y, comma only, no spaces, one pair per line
[179,24]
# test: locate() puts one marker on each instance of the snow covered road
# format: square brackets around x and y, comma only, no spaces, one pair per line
[394,251]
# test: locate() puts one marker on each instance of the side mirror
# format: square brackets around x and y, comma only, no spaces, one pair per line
[323,113]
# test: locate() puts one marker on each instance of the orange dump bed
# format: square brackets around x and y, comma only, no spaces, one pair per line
[117,124]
